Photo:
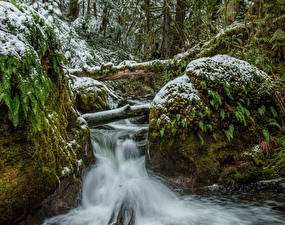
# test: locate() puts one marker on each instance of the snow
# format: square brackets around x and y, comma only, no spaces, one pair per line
[224,67]
[171,91]
[83,123]
[90,84]
[15,28]
[65,170]
[80,55]
[80,162]
[86,83]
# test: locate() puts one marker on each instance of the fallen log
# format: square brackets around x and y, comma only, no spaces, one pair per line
[124,112]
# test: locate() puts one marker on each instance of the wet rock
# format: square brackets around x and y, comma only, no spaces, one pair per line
[66,196]
[205,124]
[43,143]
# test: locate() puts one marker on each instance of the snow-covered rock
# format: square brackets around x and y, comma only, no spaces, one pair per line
[226,68]
[92,95]
[210,114]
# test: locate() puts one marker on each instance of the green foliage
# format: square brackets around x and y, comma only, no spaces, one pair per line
[275,124]
[222,114]
[266,135]
[25,84]
[203,85]
[216,100]
[228,91]
[273,112]
[184,123]
[162,130]
[261,110]
[230,132]
[201,139]
[173,70]
[202,126]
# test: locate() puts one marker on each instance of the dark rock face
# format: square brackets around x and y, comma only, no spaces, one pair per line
[205,126]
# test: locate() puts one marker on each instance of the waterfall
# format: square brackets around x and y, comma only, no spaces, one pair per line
[119,190]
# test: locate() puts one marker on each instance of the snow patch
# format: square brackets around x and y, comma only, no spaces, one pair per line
[65,170]
[224,67]
[180,87]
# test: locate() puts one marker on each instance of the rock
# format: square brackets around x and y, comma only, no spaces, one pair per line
[66,196]
[42,141]
[202,124]
[227,41]
[90,95]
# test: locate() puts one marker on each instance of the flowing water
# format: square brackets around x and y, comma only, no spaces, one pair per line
[119,190]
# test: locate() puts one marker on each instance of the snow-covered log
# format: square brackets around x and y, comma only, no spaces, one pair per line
[116,114]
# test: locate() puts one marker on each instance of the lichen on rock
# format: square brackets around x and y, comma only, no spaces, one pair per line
[203,122]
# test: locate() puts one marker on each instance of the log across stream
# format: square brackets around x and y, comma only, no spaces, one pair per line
[119,190]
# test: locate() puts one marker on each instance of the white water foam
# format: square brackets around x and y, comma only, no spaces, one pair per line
[118,190]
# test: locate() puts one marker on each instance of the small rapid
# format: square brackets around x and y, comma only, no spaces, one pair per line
[119,190]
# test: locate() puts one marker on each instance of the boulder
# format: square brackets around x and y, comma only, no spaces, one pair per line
[204,124]
[43,140]
[90,95]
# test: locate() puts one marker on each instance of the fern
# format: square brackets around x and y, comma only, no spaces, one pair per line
[184,122]
[228,91]
[265,133]
[162,130]
[202,126]
[216,99]
[203,85]
[173,131]
[273,112]
[215,136]
[275,124]
[222,114]
[201,139]
[158,122]
[261,110]
[230,132]
[13,113]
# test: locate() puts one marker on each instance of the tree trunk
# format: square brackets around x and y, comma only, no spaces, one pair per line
[95,10]
[88,7]
[105,21]
[116,114]
[73,9]
[83,7]
[165,50]
[233,7]
[179,36]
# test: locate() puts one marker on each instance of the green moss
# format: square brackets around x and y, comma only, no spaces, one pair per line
[227,42]
[212,134]
[40,133]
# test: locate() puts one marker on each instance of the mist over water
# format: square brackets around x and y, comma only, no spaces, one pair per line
[119,190]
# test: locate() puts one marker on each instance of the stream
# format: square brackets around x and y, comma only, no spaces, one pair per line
[120,190]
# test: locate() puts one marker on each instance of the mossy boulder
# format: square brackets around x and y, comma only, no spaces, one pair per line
[90,95]
[201,124]
[42,139]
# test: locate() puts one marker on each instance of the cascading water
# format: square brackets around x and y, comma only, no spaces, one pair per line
[119,190]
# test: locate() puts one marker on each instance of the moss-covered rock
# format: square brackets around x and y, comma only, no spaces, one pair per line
[42,140]
[90,95]
[228,41]
[202,123]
